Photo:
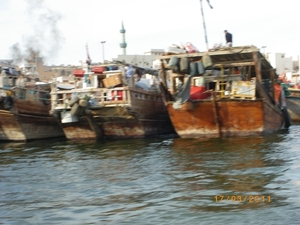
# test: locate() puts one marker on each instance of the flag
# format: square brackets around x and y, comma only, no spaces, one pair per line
[88,59]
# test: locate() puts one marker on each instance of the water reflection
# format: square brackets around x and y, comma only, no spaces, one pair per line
[150,181]
[230,167]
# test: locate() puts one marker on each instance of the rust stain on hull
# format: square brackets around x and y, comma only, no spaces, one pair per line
[230,119]
[133,128]
[143,118]
[141,113]
[124,125]
[85,128]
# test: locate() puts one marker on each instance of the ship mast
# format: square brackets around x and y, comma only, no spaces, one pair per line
[204,27]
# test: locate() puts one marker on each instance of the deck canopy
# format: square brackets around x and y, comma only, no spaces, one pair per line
[241,56]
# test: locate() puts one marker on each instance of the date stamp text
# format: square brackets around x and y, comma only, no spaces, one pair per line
[240,198]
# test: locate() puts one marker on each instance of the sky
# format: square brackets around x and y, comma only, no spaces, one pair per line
[61,29]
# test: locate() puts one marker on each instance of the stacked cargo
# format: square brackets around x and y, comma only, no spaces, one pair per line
[113,80]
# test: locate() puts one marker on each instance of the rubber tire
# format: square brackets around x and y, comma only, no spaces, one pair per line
[46,99]
[8,102]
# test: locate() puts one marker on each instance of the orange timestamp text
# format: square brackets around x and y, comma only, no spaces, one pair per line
[240,198]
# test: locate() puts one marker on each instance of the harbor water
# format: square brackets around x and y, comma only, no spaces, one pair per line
[161,180]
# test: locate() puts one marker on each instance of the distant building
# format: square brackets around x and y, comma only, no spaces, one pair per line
[6,63]
[296,64]
[35,67]
[145,60]
[45,73]
[282,63]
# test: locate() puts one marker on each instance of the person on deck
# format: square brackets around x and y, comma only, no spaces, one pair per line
[79,83]
[228,37]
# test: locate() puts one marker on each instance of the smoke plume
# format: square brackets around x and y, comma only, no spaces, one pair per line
[44,38]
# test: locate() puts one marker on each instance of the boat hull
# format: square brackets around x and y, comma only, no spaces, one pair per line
[28,121]
[129,113]
[225,118]
[293,104]
[143,117]
[85,128]
[124,125]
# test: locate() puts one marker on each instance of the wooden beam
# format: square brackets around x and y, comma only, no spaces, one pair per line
[263,93]
[236,64]
[257,62]
[234,61]
[249,73]
[217,119]
[173,83]
[163,74]
[224,51]
[272,78]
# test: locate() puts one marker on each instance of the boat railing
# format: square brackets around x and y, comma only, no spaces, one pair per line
[97,97]
[30,94]
[25,93]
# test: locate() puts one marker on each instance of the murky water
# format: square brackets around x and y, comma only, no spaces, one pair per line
[161,180]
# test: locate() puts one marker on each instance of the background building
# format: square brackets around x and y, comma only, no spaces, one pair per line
[145,60]
[285,65]
[280,62]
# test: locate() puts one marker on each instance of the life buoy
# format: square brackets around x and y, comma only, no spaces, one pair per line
[8,102]
[46,98]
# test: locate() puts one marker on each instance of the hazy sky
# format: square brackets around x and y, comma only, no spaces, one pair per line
[60,29]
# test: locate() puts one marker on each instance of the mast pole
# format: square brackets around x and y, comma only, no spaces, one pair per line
[203,20]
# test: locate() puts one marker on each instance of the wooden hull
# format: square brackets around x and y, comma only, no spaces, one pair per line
[127,126]
[144,117]
[117,126]
[28,121]
[85,128]
[293,104]
[10,128]
[226,118]
[138,113]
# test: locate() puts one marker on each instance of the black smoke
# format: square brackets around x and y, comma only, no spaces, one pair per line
[44,39]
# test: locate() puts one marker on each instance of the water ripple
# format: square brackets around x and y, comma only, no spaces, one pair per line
[152,181]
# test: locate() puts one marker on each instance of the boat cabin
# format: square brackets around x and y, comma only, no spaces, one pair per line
[228,73]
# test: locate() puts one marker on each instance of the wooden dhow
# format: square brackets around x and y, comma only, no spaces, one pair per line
[110,104]
[293,104]
[225,92]
[291,85]
[24,109]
